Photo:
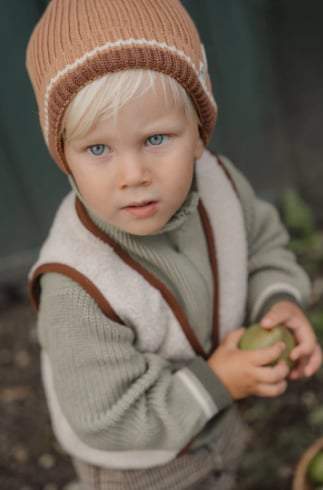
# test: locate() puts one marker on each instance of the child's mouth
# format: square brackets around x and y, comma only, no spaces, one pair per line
[144,210]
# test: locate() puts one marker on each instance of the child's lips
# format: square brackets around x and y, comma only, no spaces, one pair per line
[145,210]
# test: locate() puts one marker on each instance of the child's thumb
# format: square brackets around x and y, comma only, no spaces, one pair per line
[232,339]
[273,317]
[268,320]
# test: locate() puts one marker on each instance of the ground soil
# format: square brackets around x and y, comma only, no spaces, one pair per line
[31,459]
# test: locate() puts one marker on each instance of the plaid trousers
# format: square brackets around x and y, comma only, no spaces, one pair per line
[189,476]
[211,468]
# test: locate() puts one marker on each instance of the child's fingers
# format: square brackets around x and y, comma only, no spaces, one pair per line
[272,375]
[307,366]
[267,355]
[271,381]
[275,317]
[298,371]
[306,345]
[271,390]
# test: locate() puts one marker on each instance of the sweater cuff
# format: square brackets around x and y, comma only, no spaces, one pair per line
[212,384]
[272,300]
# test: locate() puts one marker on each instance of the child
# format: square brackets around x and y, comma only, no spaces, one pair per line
[155,259]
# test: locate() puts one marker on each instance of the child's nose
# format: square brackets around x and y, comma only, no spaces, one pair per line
[133,172]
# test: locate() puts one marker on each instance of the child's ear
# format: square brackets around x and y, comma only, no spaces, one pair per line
[199,148]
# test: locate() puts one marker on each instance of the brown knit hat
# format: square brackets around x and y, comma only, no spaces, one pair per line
[78,41]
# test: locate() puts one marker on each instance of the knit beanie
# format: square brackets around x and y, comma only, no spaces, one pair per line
[78,41]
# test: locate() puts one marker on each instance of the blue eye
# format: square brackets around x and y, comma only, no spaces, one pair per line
[156,139]
[97,150]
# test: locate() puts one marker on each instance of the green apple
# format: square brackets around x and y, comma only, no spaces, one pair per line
[315,469]
[257,337]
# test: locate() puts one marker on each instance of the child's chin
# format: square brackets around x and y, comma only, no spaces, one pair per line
[143,229]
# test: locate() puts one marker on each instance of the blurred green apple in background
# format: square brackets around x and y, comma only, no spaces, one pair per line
[315,470]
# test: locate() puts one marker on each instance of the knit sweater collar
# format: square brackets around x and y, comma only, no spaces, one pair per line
[176,222]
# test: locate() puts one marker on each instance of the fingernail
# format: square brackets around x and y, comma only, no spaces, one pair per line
[266,322]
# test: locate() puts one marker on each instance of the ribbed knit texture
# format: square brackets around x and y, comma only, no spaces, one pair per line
[77,41]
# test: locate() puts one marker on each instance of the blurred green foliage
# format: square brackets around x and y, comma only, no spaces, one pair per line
[298,216]
[316,319]
[306,241]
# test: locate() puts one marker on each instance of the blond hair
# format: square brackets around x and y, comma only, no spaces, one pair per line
[103,98]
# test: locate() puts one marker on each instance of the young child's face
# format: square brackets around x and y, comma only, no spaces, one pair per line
[136,171]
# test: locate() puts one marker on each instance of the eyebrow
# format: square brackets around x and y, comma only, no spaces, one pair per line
[151,129]
[162,124]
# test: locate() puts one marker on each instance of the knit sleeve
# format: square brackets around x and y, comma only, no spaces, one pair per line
[111,396]
[273,271]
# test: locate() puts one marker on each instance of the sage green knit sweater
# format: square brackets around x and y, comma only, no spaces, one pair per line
[89,350]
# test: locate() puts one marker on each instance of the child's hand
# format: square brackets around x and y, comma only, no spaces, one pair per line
[307,354]
[246,373]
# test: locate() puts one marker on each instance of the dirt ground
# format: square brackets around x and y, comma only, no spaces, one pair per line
[30,458]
